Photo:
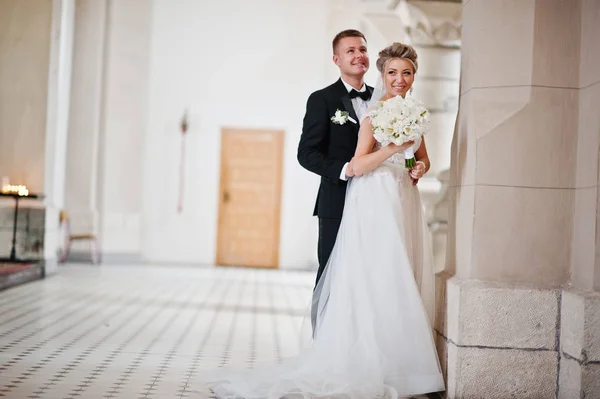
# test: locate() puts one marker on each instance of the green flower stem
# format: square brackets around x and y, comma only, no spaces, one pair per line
[410,163]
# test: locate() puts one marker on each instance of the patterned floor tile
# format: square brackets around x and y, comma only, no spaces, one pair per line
[142,331]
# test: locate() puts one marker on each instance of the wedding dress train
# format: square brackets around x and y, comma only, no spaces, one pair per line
[374,306]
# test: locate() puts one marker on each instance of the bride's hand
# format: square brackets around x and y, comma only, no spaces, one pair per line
[418,170]
[397,148]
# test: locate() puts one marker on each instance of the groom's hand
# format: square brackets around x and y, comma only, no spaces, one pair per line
[349,170]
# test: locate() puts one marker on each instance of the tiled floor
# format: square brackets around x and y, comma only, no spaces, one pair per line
[143,331]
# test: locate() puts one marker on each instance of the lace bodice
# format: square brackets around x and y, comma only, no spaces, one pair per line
[397,158]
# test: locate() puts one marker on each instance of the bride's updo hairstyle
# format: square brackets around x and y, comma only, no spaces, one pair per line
[397,50]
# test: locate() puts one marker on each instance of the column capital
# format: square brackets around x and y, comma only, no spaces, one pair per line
[431,23]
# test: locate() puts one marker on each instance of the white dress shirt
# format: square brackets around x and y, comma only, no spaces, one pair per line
[360,107]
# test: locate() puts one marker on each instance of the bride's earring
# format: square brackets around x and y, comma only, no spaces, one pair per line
[410,91]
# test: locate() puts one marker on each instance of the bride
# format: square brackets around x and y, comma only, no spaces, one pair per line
[374,302]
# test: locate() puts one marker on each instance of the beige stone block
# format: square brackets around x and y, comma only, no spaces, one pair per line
[583,247]
[557,29]
[592,326]
[590,381]
[534,146]
[597,253]
[497,43]
[453,373]
[508,317]
[440,302]
[572,321]
[569,379]
[590,50]
[501,315]
[578,380]
[580,325]
[453,311]
[441,282]
[588,137]
[464,146]
[439,240]
[493,107]
[522,235]
[476,373]
[463,230]
[597,269]
[450,261]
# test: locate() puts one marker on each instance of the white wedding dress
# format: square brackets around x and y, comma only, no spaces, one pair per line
[374,303]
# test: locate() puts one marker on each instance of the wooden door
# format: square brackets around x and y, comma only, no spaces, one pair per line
[250,195]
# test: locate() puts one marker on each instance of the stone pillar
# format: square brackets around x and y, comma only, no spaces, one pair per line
[106,143]
[81,189]
[433,28]
[522,308]
[437,85]
[57,120]
[124,120]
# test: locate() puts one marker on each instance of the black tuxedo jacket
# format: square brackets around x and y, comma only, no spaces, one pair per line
[325,146]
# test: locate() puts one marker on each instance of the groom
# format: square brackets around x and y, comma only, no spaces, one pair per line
[326,147]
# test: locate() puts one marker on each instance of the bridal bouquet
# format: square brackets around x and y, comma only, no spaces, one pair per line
[398,120]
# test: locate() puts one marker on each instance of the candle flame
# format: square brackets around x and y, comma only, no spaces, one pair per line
[18,189]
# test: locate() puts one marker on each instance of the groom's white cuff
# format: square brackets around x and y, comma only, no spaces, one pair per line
[343,174]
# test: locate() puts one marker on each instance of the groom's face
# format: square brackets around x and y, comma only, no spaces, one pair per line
[351,56]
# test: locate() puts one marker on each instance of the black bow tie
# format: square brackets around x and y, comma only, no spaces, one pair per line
[365,95]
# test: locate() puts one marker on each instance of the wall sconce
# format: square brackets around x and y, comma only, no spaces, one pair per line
[183,126]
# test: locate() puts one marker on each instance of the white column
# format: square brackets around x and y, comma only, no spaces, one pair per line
[437,85]
[434,30]
[59,88]
[81,189]
[122,132]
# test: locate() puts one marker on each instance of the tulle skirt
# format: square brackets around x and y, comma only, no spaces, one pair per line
[372,309]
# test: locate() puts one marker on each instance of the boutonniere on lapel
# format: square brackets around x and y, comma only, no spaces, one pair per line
[341,117]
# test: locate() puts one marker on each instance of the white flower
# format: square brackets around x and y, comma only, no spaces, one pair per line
[399,120]
[340,117]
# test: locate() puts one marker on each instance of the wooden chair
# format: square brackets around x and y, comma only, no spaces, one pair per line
[69,238]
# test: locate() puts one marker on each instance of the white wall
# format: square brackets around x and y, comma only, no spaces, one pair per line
[24,59]
[237,63]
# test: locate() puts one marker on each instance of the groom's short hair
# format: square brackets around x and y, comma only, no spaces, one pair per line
[346,33]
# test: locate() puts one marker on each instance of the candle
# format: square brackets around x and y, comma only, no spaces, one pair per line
[15,189]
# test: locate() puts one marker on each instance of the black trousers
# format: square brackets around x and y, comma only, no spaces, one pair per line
[328,230]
